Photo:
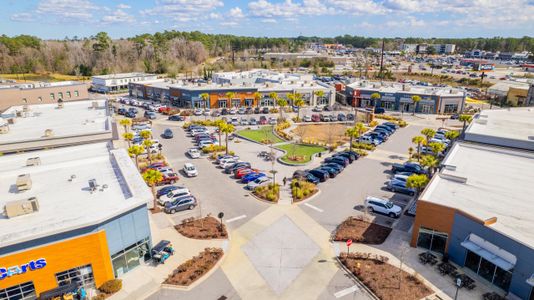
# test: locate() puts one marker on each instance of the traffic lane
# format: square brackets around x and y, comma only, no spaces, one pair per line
[216,191]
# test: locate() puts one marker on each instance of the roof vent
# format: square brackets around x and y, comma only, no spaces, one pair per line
[481,122]
[483,116]
[454,178]
[72,177]
[449,167]
[21,207]
[48,133]
[24,182]
[33,161]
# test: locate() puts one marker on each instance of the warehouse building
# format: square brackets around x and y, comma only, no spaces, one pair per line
[118,82]
[398,97]
[41,93]
[478,209]
[246,89]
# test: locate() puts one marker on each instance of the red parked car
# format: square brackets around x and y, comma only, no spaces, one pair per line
[239,173]
[169,178]
[154,166]
[316,118]
[263,120]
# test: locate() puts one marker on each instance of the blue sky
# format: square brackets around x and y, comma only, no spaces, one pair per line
[327,18]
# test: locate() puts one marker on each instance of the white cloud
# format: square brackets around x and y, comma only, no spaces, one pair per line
[288,8]
[215,16]
[123,6]
[183,10]
[272,21]
[229,24]
[118,16]
[22,17]
[67,10]
[236,13]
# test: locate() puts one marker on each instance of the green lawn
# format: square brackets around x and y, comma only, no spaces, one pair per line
[306,151]
[262,134]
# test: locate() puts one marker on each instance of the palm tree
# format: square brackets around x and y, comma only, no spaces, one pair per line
[465,119]
[126,123]
[227,129]
[360,127]
[298,102]
[145,134]
[128,136]
[205,98]
[257,98]
[452,135]
[419,140]
[319,94]
[417,182]
[147,144]
[430,162]
[135,151]
[274,97]
[219,124]
[410,153]
[352,133]
[152,178]
[282,102]
[374,97]
[436,148]
[230,96]
[415,100]
[429,133]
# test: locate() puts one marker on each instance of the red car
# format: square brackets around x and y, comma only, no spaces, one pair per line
[154,166]
[263,120]
[239,173]
[169,178]
[316,118]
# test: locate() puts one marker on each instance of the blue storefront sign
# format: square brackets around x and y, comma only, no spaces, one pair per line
[16,270]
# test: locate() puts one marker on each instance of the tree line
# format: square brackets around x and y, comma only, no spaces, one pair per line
[177,51]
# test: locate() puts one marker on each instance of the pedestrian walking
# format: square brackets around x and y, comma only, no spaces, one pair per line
[284,180]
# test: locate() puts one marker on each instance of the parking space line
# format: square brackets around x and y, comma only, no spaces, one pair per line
[236,219]
[346,291]
[314,207]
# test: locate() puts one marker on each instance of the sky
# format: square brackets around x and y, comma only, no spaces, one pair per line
[56,19]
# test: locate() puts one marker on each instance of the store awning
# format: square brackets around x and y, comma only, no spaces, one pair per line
[490,252]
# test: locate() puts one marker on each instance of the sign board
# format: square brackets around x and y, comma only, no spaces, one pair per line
[349,242]
[17,270]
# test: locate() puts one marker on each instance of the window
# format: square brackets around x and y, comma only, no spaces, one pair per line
[432,240]
[82,274]
[129,258]
[388,105]
[222,103]
[488,270]
[427,108]
[76,94]
[236,102]
[249,102]
[40,99]
[450,108]
[52,96]
[60,95]
[68,94]
[19,292]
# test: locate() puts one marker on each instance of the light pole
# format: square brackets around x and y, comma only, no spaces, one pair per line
[458,286]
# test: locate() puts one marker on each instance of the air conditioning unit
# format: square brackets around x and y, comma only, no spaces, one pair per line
[21,207]
[48,133]
[24,182]
[33,161]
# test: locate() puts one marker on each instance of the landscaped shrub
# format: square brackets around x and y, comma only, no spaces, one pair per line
[373,123]
[273,110]
[99,297]
[358,145]
[213,148]
[279,130]
[185,113]
[111,286]
[301,189]
[361,152]
[402,123]
[268,192]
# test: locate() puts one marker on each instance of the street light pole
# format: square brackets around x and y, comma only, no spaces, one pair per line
[458,285]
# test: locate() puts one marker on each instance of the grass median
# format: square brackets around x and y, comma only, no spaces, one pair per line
[299,154]
[263,135]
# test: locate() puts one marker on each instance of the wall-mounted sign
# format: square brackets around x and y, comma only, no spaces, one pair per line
[17,270]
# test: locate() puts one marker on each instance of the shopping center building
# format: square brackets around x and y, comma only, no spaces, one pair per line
[398,97]
[478,209]
[71,213]
[248,88]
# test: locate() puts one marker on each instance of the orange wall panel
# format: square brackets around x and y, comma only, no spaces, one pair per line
[61,256]
[434,216]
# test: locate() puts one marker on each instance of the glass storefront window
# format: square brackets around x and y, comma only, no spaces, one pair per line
[82,274]
[248,102]
[222,103]
[129,258]
[472,261]
[19,292]
[502,279]
[236,102]
[488,270]
[450,108]
[432,240]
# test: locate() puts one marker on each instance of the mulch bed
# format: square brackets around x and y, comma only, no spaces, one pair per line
[202,229]
[362,231]
[295,200]
[193,269]
[383,279]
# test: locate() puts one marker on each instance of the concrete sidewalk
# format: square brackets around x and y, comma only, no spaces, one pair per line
[147,279]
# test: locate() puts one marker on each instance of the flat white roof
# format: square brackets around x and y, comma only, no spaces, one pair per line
[66,205]
[395,87]
[75,118]
[123,75]
[512,127]
[485,182]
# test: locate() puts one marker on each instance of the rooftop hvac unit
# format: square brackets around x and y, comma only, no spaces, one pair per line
[21,207]
[4,129]
[25,108]
[24,182]
[33,161]
[48,133]
[11,121]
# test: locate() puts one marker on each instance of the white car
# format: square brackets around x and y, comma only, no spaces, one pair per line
[384,206]
[172,195]
[198,112]
[190,170]
[227,163]
[204,143]
[307,118]
[233,111]
[207,112]
[193,153]
[258,182]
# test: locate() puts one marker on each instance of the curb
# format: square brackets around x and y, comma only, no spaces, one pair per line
[309,198]
[279,159]
[262,200]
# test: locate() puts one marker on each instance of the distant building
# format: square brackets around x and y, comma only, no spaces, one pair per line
[41,93]
[398,97]
[422,48]
[117,82]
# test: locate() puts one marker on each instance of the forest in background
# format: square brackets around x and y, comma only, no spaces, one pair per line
[174,52]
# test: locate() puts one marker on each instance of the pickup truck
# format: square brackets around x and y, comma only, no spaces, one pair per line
[408,167]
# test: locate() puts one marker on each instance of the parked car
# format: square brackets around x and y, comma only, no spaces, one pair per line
[224,111]
[257,182]
[226,156]
[167,189]
[391,124]
[317,109]
[150,115]
[169,178]
[251,177]
[379,110]
[325,118]
[184,203]
[193,153]
[332,172]
[176,118]
[130,114]
[241,111]
[272,121]
[154,166]
[377,136]
[171,196]
[239,173]
[350,117]
[366,139]
[375,204]
[399,186]
[408,167]
[341,117]
[265,110]
[321,174]
[249,110]
[253,121]
[338,160]
[227,163]
[243,122]
[238,165]
[257,110]
[316,118]
[263,120]
[190,170]
[349,155]
[232,111]
[307,118]
[122,111]
[338,167]
[167,134]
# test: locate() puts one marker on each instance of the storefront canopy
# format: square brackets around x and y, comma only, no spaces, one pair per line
[490,252]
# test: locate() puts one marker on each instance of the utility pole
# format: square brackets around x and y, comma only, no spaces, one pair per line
[382,58]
